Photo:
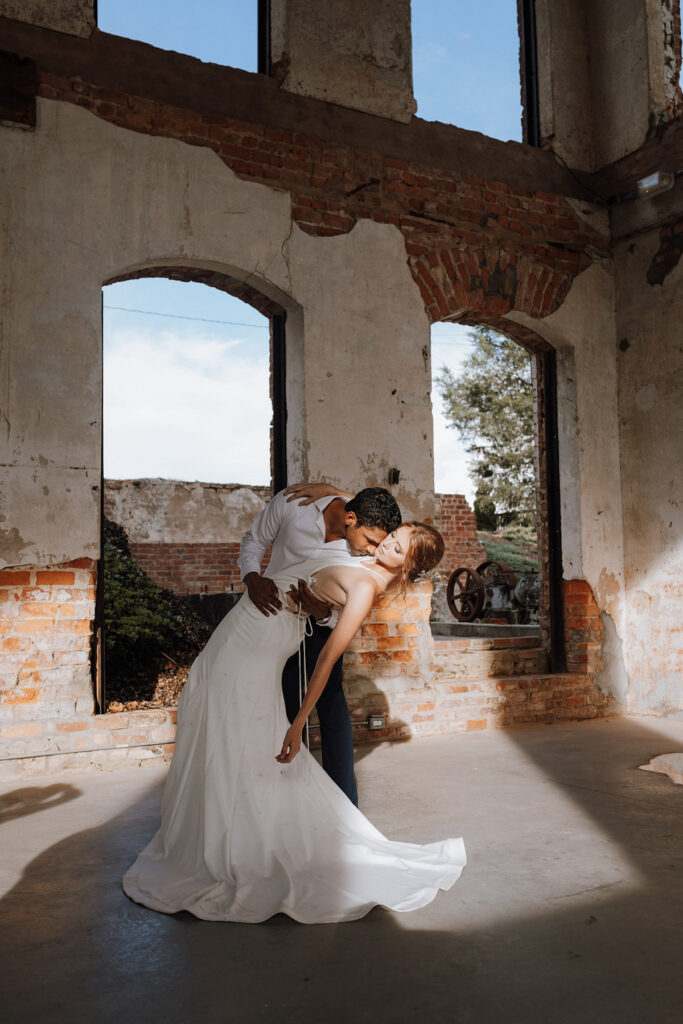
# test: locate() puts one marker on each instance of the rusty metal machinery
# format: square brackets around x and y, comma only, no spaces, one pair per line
[465,594]
[493,591]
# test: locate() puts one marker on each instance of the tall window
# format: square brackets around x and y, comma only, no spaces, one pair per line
[466,65]
[187,416]
[216,31]
[186,384]
[486,462]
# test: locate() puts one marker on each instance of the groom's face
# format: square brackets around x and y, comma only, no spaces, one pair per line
[362,540]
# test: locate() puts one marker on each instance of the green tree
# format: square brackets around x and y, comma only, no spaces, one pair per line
[490,404]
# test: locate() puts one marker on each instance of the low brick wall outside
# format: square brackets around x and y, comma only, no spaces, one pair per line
[195,567]
[455,520]
[192,568]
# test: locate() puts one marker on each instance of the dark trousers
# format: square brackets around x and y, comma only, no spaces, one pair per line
[336,734]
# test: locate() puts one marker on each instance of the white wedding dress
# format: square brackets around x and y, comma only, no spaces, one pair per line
[243,837]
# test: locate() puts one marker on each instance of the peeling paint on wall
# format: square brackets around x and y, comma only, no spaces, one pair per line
[12,544]
[613,678]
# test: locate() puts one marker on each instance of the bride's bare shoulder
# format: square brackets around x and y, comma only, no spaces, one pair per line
[352,577]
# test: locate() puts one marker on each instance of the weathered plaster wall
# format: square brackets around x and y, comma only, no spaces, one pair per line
[620,72]
[367,367]
[91,201]
[159,511]
[582,332]
[185,535]
[608,72]
[650,366]
[564,82]
[356,53]
[77,17]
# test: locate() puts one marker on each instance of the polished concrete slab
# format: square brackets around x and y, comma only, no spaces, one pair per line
[570,908]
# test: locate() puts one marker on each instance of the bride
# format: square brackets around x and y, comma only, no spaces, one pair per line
[251,825]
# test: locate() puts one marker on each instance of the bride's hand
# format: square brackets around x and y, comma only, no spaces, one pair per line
[291,746]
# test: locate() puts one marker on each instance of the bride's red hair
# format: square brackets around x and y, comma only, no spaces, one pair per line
[425,550]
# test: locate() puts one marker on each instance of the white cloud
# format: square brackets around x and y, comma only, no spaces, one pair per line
[188,408]
[198,408]
[450,461]
[451,344]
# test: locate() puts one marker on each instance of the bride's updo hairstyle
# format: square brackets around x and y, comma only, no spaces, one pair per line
[425,550]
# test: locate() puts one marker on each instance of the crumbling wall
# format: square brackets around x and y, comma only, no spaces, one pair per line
[77,17]
[362,229]
[160,511]
[186,535]
[582,332]
[649,277]
[608,75]
[455,520]
[46,618]
[356,53]
[78,162]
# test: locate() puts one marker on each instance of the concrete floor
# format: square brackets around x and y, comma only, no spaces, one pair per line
[570,909]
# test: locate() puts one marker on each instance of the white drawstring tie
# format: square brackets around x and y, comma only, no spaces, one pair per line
[304,628]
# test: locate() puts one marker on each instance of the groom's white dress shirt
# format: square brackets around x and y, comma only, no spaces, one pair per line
[294,533]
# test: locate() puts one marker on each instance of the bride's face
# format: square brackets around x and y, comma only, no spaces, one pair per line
[394,548]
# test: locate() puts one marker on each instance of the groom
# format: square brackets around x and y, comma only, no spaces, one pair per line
[296,530]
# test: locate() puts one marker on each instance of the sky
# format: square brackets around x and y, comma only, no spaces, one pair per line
[207,415]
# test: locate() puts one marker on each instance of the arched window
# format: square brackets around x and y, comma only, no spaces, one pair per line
[193,440]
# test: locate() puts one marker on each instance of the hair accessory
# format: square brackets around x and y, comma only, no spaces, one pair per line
[424,576]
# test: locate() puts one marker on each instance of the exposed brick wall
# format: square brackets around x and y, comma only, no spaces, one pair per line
[392,667]
[453,685]
[446,705]
[455,520]
[389,662]
[213,569]
[472,244]
[45,636]
[101,742]
[477,247]
[191,568]
[583,628]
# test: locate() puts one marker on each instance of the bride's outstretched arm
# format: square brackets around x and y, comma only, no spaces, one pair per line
[358,604]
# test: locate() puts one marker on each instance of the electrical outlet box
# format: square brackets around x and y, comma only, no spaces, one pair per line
[377,721]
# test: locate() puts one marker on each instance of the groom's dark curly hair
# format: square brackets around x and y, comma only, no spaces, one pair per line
[374,506]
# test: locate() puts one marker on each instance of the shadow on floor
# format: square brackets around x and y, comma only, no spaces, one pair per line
[610,955]
[30,799]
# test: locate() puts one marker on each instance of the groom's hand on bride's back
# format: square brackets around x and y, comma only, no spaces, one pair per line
[263,593]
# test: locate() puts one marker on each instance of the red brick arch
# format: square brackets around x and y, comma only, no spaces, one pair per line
[489,282]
